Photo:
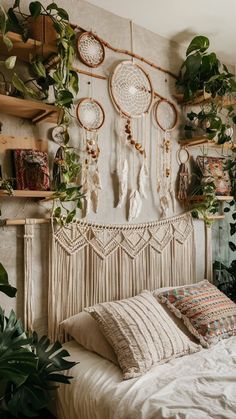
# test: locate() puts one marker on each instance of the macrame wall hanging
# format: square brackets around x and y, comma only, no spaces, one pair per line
[91,117]
[183,175]
[132,95]
[92,263]
[166,117]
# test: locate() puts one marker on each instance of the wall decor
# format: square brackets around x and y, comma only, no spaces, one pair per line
[183,175]
[166,117]
[213,168]
[32,171]
[91,117]
[91,51]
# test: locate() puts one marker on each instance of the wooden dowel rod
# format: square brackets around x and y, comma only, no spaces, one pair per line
[131,54]
[99,76]
[15,222]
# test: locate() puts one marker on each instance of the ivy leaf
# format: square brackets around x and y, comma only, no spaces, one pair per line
[232,246]
[70,216]
[10,62]
[62,13]
[199,43]
[35,9]
[232,228]
[74,81]
[7,42]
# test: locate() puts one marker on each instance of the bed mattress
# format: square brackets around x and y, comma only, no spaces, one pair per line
[197,386]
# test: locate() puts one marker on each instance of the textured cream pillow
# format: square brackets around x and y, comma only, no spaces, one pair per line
[141,333]
[84,329]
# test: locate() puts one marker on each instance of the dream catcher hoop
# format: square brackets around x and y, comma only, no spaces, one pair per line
[90,114]
[166,118]
[131,89]
[90,49]
[91,117]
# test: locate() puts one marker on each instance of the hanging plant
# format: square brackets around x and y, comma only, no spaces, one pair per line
[209,205]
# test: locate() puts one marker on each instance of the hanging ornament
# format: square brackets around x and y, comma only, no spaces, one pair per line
[91,116]
[90,49]
[166,117]
[183,158]
[131,92]
[123,184]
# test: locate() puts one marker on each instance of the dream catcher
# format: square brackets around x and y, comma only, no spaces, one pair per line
[166,117]
[91,51]
[183,183]
[132,94]
[91,117]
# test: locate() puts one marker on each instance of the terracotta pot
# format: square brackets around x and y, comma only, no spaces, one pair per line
[42,30]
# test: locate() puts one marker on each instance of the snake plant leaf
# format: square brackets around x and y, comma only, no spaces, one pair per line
[5,287]
[199,43]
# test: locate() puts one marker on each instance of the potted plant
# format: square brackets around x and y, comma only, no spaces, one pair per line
[29,367]
[203,73]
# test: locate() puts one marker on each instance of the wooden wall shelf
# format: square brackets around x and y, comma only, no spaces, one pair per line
[23,49]
[205,98]
[222,198]
[203,141]
[28,109]
[27,194]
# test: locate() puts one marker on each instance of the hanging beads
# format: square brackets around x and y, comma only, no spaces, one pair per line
[132,141]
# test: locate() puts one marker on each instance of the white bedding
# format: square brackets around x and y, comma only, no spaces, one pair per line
[198,386]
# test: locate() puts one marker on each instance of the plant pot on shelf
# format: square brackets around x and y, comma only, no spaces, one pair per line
[42,29]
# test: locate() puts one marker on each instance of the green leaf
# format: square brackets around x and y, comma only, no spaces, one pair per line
[232,246]
[74,81]
[232,228]
[199,43]
[5,287]
[62,13]
[35,9]
[70,216]
[21,87]
[10,62]
[193,63]
[52,6]
[7,42]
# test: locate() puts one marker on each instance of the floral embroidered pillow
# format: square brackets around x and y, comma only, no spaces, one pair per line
[207,313]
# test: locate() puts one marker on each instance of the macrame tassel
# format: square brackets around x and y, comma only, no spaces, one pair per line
[97,179]
[135,205]
[142,179]
[123,184]
[183,182]
[94,200]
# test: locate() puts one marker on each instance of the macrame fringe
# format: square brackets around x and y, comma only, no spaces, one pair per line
[93,263]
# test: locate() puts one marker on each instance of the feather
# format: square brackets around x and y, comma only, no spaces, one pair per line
[123,184]
[94,199]
[142,179]
[135,205]
[96,179]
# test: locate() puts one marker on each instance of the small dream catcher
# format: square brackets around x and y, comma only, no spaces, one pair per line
[132,95]
[91,117]
[90,49]
[166,117]
[183,181]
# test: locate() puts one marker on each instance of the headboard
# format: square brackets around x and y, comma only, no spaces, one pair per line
[92,263]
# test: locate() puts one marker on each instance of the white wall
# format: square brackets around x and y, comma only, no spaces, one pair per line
[166,54]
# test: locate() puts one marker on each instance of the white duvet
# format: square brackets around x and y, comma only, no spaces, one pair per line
[198,386]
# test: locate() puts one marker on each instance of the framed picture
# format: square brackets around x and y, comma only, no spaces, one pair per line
[213,167]
[31,170]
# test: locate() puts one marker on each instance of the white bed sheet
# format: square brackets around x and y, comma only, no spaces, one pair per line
[197,386]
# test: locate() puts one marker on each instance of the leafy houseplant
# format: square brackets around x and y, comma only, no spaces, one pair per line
[203,72]
[29,366]
[209,205]
[58,74]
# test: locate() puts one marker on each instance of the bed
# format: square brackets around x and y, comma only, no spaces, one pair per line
[197,386]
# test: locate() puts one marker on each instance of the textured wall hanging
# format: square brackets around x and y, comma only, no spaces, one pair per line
[91,263]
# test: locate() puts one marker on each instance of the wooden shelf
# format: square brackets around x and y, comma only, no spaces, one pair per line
[27,194]
[23,49]
[203,141]
[205,98]
[28,109]
[221,198]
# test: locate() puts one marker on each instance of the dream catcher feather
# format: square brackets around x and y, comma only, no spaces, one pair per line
[166,117]
[131,92]
[90,49]
[91,117]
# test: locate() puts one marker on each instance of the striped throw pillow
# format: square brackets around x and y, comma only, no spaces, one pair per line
[207,313]
[141,333]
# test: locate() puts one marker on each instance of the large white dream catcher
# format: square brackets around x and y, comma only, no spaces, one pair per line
[166,118]
[132,95]
[91,117]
